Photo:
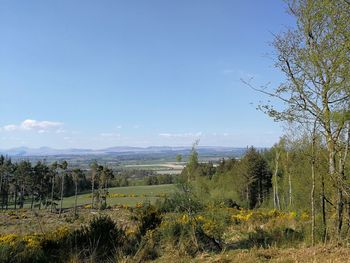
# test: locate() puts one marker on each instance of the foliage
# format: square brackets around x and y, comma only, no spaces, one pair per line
[148,217]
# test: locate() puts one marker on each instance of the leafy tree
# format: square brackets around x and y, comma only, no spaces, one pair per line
[77,175]
[63,166]
[315,58]
[6,171]
[94,171]
[257,178]
[178,158]
[42,181]
[53,173]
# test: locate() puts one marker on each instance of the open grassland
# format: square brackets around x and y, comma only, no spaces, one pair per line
[124,196]
[127,196]
[26,221]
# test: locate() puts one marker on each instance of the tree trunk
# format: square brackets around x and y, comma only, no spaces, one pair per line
[15,197]
[92,191]
[106,187]
[7,198]
[76,197]
[52,190]
[324,215]
[289,182]
[332,169]
[260,192]
[247,196]
[22,196]
[41,194]
[2,193]
[313,220]
[62,188]
[342,161]
[32,202]
[276,200]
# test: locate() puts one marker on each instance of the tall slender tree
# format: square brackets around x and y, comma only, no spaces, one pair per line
[315,58]
[53,172]
[77,175]
[94,171]
[63,166]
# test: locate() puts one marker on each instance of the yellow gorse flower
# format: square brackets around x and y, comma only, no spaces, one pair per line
[8,239]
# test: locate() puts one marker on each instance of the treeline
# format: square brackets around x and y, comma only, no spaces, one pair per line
[291,176]
[160,179]
[247,181]
[42,185]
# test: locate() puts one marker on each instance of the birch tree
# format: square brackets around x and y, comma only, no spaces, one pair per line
[315,59]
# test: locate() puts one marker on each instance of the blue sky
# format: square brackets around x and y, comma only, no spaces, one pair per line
[106,73]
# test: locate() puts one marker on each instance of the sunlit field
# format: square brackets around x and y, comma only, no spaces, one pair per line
[130,195]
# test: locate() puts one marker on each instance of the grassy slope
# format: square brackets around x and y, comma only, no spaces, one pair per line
[150,193]
[26,221]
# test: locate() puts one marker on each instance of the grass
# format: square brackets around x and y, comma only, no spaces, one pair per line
[143,193]
[149,193]
[24,221]
[320,253]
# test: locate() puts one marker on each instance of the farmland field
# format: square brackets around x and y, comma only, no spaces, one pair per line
[159,168]
[133,195]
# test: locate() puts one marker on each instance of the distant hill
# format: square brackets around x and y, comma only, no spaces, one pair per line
[47,151]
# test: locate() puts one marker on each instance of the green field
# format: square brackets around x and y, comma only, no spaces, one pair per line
[143,193]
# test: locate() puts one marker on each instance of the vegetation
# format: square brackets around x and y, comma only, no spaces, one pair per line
[294,196]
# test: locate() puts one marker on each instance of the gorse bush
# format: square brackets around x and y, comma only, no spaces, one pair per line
[148,217]
[186,234]
[183,200]
[101,239]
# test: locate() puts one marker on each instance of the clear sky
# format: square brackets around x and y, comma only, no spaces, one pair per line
[107,73]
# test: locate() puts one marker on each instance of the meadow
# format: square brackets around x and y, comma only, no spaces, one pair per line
[123,196]
[127,196]
[25,221]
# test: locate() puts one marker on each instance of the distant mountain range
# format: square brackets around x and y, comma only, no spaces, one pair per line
[47,151]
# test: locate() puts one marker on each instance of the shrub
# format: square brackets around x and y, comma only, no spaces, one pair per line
[187,235]
[180,202]
[149,218]
[101,239]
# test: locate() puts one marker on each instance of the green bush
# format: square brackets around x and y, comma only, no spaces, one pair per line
[148,217]
[101,239]
[187,236]
[180,202]
[20,253]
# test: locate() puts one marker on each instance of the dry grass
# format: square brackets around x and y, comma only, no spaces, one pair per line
[25,222]
[326,254]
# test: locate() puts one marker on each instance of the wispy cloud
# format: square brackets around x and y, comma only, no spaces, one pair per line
[181,135]
[225,134]
[60,130]
[10,127]
[109,134]
[34,125]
